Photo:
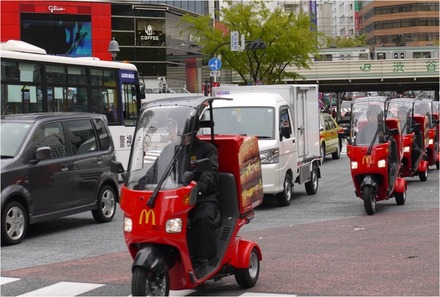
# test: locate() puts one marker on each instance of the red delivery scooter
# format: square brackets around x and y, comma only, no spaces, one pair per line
[156,220]
[375,151]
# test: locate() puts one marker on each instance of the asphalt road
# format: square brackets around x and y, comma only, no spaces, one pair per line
[320,245]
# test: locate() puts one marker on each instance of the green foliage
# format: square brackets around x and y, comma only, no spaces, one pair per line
[346,41]
[289,40]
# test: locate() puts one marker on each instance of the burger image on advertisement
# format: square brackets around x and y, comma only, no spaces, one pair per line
[250,172]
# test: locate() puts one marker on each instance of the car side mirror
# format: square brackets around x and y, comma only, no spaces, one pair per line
[284,132]
[42,153]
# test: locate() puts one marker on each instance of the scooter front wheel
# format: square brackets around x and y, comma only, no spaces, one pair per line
[148,283]
[247,277]
[369,199]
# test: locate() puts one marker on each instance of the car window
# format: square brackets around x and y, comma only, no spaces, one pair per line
[331,123]
[103,136]
[51,135]
[82,136]
[285,119]
[12,137]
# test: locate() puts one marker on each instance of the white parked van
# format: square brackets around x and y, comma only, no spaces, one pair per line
[285,119]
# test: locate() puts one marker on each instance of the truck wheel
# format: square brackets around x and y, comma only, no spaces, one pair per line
[369,199]
[145,283]
[285,197]
[247,277]
[423,176]
[106,205]
[313,183]
[14,223]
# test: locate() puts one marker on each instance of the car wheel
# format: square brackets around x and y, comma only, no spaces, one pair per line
[312,185]
[322,153]
[247,277]
[336,154]
[106,205]
[285,197]
[14,223]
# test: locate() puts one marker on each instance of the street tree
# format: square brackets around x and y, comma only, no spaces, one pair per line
[290,39]
[345,41]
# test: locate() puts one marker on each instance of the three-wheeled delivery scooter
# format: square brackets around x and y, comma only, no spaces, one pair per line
[375,151]
[415,135]
[432,150]
[156,203]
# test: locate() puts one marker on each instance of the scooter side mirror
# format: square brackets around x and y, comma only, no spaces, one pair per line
[349,140]
[188,176]
[393,131]
[197,166]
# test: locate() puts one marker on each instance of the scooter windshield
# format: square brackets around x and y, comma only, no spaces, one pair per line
[367,123]
[160,148]
[402,109]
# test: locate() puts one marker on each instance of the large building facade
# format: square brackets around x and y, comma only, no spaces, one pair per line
[390,23]
[149,33]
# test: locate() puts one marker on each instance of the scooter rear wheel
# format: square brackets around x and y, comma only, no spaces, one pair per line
[247,277]
[148,283]
[369,199]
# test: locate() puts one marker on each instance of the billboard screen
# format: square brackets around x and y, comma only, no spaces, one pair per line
[64,35]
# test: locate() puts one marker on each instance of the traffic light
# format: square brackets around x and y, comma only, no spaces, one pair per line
[256,44]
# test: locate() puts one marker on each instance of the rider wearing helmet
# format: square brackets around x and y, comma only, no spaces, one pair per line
[183,125]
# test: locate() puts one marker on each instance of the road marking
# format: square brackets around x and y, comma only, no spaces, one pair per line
[7,280]
[264,294]
[64,289]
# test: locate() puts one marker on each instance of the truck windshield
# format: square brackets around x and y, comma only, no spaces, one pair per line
[250,121]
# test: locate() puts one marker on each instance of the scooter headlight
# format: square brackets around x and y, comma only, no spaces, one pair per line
[406,149]
[128,224]
[381,163]
[431,141]
[174,225]
[354,165]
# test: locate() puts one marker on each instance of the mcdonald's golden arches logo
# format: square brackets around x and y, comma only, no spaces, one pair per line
[367,160]
[147,213]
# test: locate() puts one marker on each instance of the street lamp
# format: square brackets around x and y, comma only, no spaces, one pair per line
[113,48]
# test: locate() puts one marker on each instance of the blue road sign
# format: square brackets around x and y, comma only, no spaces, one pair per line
[214,64]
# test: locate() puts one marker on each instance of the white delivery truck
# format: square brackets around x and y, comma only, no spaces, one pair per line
[285,119]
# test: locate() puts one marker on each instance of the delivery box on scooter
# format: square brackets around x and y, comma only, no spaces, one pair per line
[240,156]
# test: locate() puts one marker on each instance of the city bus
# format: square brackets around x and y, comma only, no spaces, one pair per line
[32,81]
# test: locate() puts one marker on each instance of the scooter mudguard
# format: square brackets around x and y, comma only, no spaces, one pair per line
[368,181]
[400,185]
[155,258]
[423,166]
[243,250]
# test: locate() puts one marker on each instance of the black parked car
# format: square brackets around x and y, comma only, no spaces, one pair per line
[55,165]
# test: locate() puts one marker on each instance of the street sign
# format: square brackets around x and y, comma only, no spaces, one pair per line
[235,46]
[214,64]
[214,73]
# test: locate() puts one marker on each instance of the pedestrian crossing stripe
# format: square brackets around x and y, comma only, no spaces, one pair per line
[68,289]
[75,289]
